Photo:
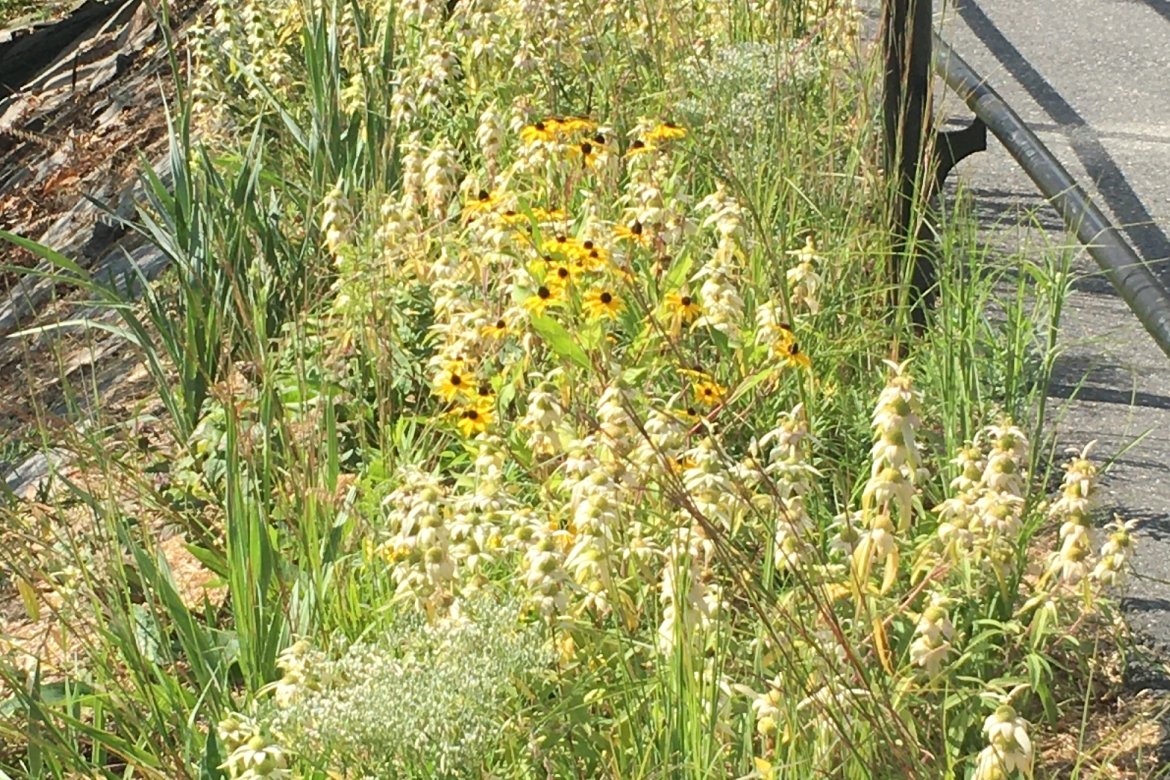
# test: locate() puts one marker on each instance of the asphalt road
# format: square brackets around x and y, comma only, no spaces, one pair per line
[1092,78]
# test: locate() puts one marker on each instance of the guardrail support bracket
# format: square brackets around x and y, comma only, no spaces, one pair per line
[952,146]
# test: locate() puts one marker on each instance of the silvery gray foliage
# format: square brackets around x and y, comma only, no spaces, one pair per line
[423,697]
[735,90]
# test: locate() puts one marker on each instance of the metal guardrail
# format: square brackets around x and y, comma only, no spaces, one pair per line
[909,44]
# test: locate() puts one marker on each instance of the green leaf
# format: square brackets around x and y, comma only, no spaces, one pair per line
[45,253]
[560,340]
[678,272]
[747,385]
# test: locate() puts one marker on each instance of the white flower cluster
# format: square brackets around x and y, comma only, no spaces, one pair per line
[1114,562]
[804,281]
[417,540]
[984,514]
[722,305]
[1009,747]
[422,696]
[894,471]
[252,753]
[1070,564]
[690,602]
[932,637]
[789,483]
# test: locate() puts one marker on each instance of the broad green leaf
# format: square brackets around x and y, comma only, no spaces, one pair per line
[560,340]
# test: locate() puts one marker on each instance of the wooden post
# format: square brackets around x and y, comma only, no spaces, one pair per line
[906,113]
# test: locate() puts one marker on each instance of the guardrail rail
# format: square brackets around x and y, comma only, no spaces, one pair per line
[920,158]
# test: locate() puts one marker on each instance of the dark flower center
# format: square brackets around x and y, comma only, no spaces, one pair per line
[685,301]
[500,324]
[483,195]
[636,228]
[606,298]
[456,380]
[544,293]
[586,148]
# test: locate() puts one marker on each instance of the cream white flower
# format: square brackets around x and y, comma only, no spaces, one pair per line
[932,637]
[1009,747]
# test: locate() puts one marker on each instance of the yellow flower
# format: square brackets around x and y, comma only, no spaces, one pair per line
[639,147]
[545,296]
[575,124]
[485,395]
[709,392]
[474,419]
[591,257]
[683,307]
[536,132]
[794,357]
[563,245]
[482,203]
[635,232]
[589,151]
[453,381]
[549,215]
[559,275]
[666,131]
[512,218]
[602,304]
[495,330]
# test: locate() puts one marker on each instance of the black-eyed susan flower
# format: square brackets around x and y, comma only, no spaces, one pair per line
[546,295]
[635,232]
[708,392]
[511,218]
[592,257]
[495,330]
[482,203]
[637,147]
[602,303]
[667,131]
[559,274]
[575,124]
[540,132]
[474,418]
[683,307]
[589,151]
[561,244]
[549,215]
[794,356]
[453,381]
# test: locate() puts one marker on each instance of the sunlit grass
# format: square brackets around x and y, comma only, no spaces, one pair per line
[537,362]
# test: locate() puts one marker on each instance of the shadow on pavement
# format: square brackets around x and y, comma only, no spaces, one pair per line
[1137,223]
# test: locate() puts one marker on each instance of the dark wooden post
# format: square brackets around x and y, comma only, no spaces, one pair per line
[906,108]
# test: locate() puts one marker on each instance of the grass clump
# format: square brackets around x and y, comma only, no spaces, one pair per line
[522,418]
